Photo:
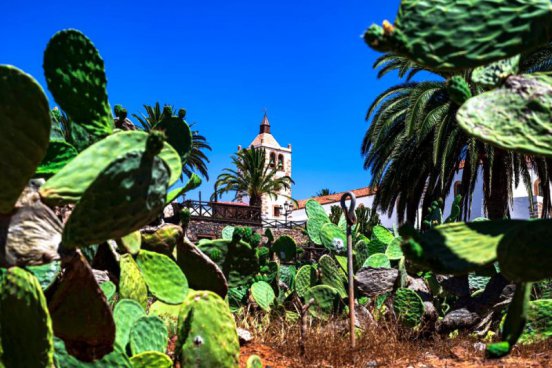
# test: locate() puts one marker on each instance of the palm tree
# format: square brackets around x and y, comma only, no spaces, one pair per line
[252,177]
[197,160]
[414,147]
[323,192]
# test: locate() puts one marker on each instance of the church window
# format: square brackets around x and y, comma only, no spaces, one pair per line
[281,162]
[272,161]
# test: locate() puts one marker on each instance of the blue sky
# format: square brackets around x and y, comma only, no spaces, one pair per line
[225,62]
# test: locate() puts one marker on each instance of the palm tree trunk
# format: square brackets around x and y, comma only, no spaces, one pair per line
[255,201]
[496,189]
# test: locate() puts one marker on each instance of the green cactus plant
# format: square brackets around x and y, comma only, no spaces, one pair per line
[254,361]
[46,274]
[163,240]
[394,250]
[332,275]
[458,90]
[75,75]
[494,74]
[408,307]
[165,280]
[263,295]
[148,334]
[377,260]
[306,278]
[381,238]
[326,301]
[168,313]
[228,232]
[193,182]
[116,359]
[25,124]
[286,274]
[109,289]
[317,218]
[130,243]
[131,282]
[25,326]
[539,321]
[285,248]
[333,238]
[125,314]
[178,133]
[207,334]
[59,154]
[149,359]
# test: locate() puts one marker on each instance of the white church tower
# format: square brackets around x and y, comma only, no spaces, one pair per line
[279,158]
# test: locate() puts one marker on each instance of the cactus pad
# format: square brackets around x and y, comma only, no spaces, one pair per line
[228,232]
[394,251]
[191,184]
[75,75]
[458,89]
[377,260]
[148,334]
[178,134]
[126,313]
[59,154]
[164,278]
[25,125]
[326,301]
[317,217]
[305,279]
[46,274]
[130,243]
[382,235]
[207,335]
[286,274]
[492,75]
[109,289]
[80,313]
[332,275]
[442,35]
[539,321]
[285,248]
[25,325]
[168,313]
[163,240]
[68,185]
[333,238]
[254,362]
[127,195]
[131,281]
[116,359]
[263,295]
[516,117]
[151,359]
[409,307]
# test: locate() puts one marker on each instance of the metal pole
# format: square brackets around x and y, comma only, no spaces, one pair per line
[351,220]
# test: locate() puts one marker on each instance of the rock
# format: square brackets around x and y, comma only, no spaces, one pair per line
[375,281]
[244,336]
[458,319]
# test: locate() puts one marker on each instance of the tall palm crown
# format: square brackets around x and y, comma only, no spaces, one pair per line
[324,192]
[414,147]
[197,160]
[251,176]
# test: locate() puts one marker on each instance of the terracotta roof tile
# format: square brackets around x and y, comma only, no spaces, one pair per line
[335,198]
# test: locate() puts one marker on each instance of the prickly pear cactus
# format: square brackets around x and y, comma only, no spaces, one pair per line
[285,248]
[254,361]
[164,278]
[458,89]
[75,75]
[151,359]
[263,295]
[317,217]
[69,184]
[178,134]
[306,278]
[286,274]
[516,117]
[59,154]
[116,359]
[148,334]
[228,232]
[46,274]
[131,282]
[326,301]
[109,289]
[409,307]
[442,35]
[25,325]
[163,240]
[492,75]
[25,125]
[333,238]
[127,195]
[394,251]
[130,243]
[168,313]
[80,313]
[207,334]
[377,260]
[126,313]
[191,184]
[539,321]
[332,275]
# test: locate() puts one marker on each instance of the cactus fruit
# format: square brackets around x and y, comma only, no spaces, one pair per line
[326,301]
[228,232]
[130,243]
[69,184]
[126,313]
[109,289]
[285,248]
[163,240]
[80,313]
[150,359]
[25,125]
[207,335]
[333,238]
[116,359]
[148,334]
[394,251]
[528,242]
[317,218]
[46,274]
[131,281]
[492,75]
[332,275]
[202,272]
[441,34]
[34,233]
[515,117]
[164,278]
[263,295]
[25,324]
[409,307]
[254,362]
[377,260]
[191,184]
[75,75]
[127,195]
[306,278]
[458,90]
[168,313]
[59,154]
